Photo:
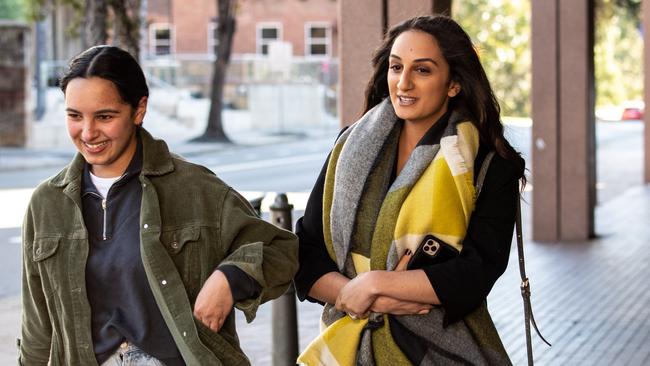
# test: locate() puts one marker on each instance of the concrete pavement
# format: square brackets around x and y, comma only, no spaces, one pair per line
[590,298]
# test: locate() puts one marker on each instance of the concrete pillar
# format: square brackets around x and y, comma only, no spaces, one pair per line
[361,27]
[545,107]
[563,120]
[360,33]
[577,120]
[645,16]
[399,11]
[14,73]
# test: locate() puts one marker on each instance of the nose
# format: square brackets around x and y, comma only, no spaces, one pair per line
[89,131]
[404,82]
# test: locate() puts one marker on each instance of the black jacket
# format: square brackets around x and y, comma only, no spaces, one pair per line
[461,283]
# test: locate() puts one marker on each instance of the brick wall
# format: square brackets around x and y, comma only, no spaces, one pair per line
[13,88]
[191,19]
[293,14]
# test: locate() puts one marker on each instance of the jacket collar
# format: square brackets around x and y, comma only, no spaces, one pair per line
[156,161]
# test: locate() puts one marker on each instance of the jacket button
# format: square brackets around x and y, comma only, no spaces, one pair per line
[174,244]
[146,226]
[38,251]
[164,282]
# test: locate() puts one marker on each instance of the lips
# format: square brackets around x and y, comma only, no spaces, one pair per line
[406,101]
[95,148]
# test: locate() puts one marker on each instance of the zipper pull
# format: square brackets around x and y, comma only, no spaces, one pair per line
[104,209]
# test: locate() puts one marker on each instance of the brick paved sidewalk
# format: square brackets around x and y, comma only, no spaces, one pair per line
[590,298]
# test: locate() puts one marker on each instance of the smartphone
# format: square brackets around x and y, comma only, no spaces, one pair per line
[431,251]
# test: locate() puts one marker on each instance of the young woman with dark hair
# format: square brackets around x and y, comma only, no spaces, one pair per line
[131,255]
[409,225]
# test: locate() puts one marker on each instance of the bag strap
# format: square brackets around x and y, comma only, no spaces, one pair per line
[525,286]
[525,283]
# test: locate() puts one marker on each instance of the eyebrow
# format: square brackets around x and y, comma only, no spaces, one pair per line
[417,60]
[101,111]
[107,110]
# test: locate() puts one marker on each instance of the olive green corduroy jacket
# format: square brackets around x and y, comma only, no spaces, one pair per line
[190,222]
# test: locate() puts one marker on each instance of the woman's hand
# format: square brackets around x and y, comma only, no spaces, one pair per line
[356,297]
[389,305]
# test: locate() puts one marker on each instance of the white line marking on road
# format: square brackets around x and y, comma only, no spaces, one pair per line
[251,165]
[14,203]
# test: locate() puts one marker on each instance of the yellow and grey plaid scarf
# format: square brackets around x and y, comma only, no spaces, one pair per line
[434,194]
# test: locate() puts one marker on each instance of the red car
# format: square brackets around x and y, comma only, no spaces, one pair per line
[633,111]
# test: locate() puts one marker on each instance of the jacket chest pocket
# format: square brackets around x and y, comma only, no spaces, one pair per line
[183,247]
[176,240]
[46,254]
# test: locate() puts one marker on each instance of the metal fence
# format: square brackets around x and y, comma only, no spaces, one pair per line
[193,75]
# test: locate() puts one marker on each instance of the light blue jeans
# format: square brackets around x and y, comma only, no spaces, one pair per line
[130,355]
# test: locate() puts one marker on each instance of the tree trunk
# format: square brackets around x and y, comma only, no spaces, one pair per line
[127,22]
[225,30]
[95,23]
[143,42]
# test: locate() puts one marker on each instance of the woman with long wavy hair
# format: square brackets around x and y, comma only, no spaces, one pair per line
[410,222]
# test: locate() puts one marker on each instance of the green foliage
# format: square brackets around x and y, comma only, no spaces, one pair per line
[632,8]
[12,9]
[36,10]
[500,30]
[122,15]
[618,53]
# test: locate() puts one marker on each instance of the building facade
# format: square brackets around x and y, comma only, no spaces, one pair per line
[187,29]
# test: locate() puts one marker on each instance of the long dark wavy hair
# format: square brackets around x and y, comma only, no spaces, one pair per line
[475,101]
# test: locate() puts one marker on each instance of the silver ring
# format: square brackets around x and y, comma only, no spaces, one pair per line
[353,316]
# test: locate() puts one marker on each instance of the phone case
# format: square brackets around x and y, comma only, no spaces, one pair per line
[431,251]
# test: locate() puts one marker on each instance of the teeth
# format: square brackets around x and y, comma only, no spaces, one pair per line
[407,100]
[95,146]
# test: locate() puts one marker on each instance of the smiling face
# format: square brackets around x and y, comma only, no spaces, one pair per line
[418,78]
[102,125]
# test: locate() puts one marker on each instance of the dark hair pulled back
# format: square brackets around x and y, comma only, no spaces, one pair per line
[113,64]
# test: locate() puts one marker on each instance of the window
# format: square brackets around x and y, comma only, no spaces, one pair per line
[213,37]
[318,39]
[161,37]
[267,33]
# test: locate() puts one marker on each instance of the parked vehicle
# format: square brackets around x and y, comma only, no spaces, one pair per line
[632,110]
